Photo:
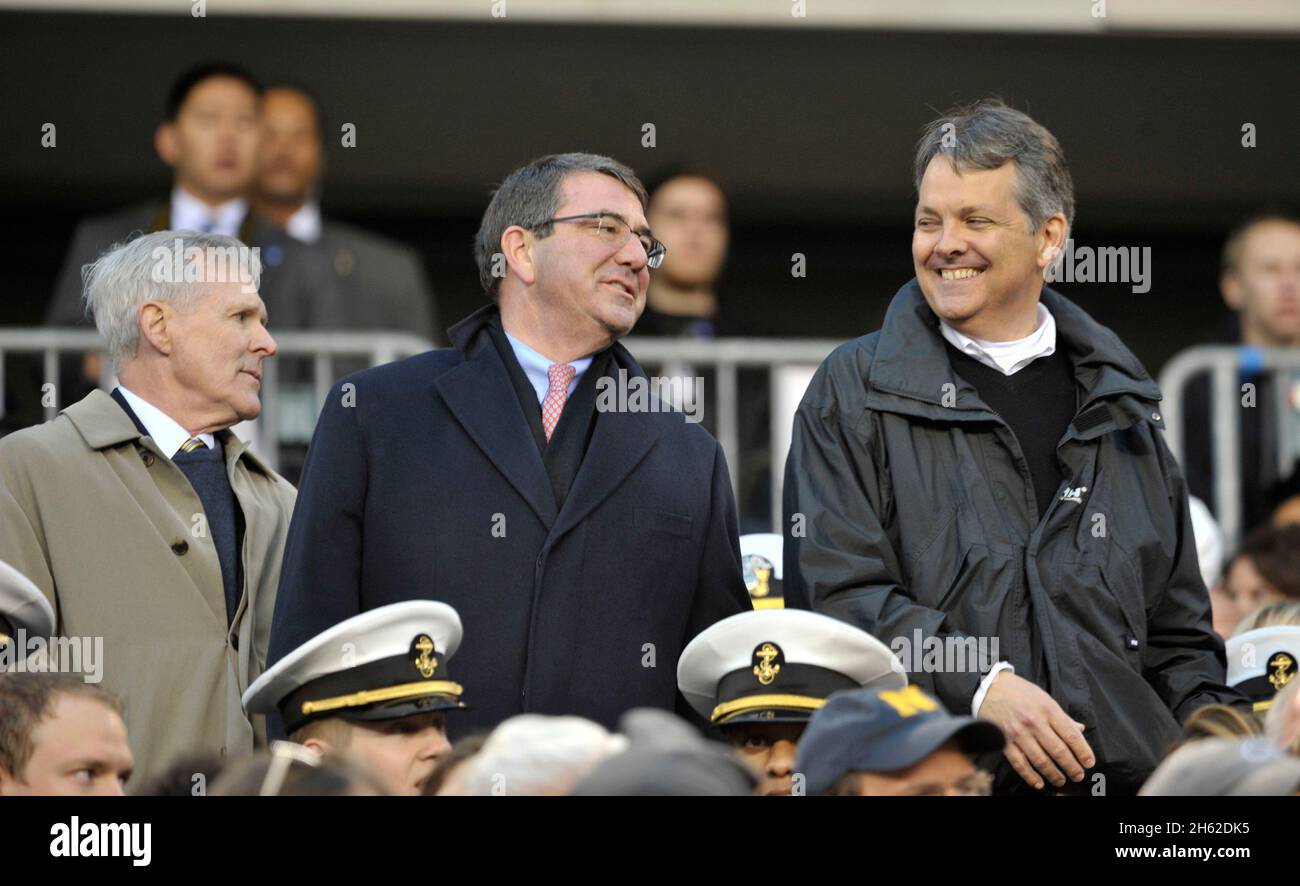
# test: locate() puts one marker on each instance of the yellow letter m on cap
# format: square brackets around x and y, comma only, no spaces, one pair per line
[909,701]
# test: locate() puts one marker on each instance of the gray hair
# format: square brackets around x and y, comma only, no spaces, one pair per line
[986,135]
[532,194]
[533,754]
[140,270]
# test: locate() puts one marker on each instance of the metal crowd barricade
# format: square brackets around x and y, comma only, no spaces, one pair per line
[724,357]
[322,348]
[1224,363]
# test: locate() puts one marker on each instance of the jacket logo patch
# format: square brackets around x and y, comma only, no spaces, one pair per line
[1075,495]
[767,662]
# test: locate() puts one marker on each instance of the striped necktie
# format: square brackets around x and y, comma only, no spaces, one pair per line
[558,376]
[192,444]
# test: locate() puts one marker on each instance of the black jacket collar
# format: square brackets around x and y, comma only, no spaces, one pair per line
[481,396]
[910,360]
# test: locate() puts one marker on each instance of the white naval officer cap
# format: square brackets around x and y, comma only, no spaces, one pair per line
[780,665]
[1261,662]
[383,664]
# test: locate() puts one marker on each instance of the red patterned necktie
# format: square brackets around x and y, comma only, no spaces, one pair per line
[558,376]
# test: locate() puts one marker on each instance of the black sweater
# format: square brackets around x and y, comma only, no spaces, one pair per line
[1038,403]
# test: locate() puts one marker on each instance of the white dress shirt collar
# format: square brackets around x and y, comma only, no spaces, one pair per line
[189,213]
[304,225]
[1008,357]
[535,366]
[164,429]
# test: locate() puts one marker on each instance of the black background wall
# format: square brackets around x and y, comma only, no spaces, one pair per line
[811,132]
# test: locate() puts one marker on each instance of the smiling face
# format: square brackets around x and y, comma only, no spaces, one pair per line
[978,263]
[768,749]
[218,346]
[597,289]
[78,749]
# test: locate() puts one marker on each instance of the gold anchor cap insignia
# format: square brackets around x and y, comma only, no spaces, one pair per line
[1281,669]
[767,662]
[425,662]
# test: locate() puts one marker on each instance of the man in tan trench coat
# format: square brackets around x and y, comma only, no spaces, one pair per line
[141,516]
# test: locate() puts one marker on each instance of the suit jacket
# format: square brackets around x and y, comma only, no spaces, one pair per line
[372,283]
[423,481]
[102,521]
[290,272]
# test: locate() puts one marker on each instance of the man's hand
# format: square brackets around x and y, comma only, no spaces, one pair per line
[1042,741]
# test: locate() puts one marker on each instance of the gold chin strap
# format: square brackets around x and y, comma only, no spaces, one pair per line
[390,693]
[737,706]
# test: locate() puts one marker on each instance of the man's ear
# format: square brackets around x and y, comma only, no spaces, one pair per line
[517,247]
[318,745]
[164,142]
[1051,239]
[155,319]
[1230,287]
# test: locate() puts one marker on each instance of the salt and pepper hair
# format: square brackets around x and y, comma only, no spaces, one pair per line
[127,276]
[532,194]
[532,754]
[987,134]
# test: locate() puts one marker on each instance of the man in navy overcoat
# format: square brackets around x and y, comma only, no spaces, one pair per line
[584,535]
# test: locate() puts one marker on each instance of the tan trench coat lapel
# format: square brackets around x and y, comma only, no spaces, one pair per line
[157,486]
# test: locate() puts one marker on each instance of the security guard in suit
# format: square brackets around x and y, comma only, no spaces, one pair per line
[370,282]
[375,688]
[213,165]
[759,676]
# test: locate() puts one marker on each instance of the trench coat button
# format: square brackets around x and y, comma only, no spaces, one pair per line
[1156,416]
[148,459]
[180,548]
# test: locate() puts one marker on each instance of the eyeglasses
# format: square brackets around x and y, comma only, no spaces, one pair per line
[615,230]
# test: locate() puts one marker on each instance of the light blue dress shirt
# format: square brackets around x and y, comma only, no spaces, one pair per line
[535,366]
